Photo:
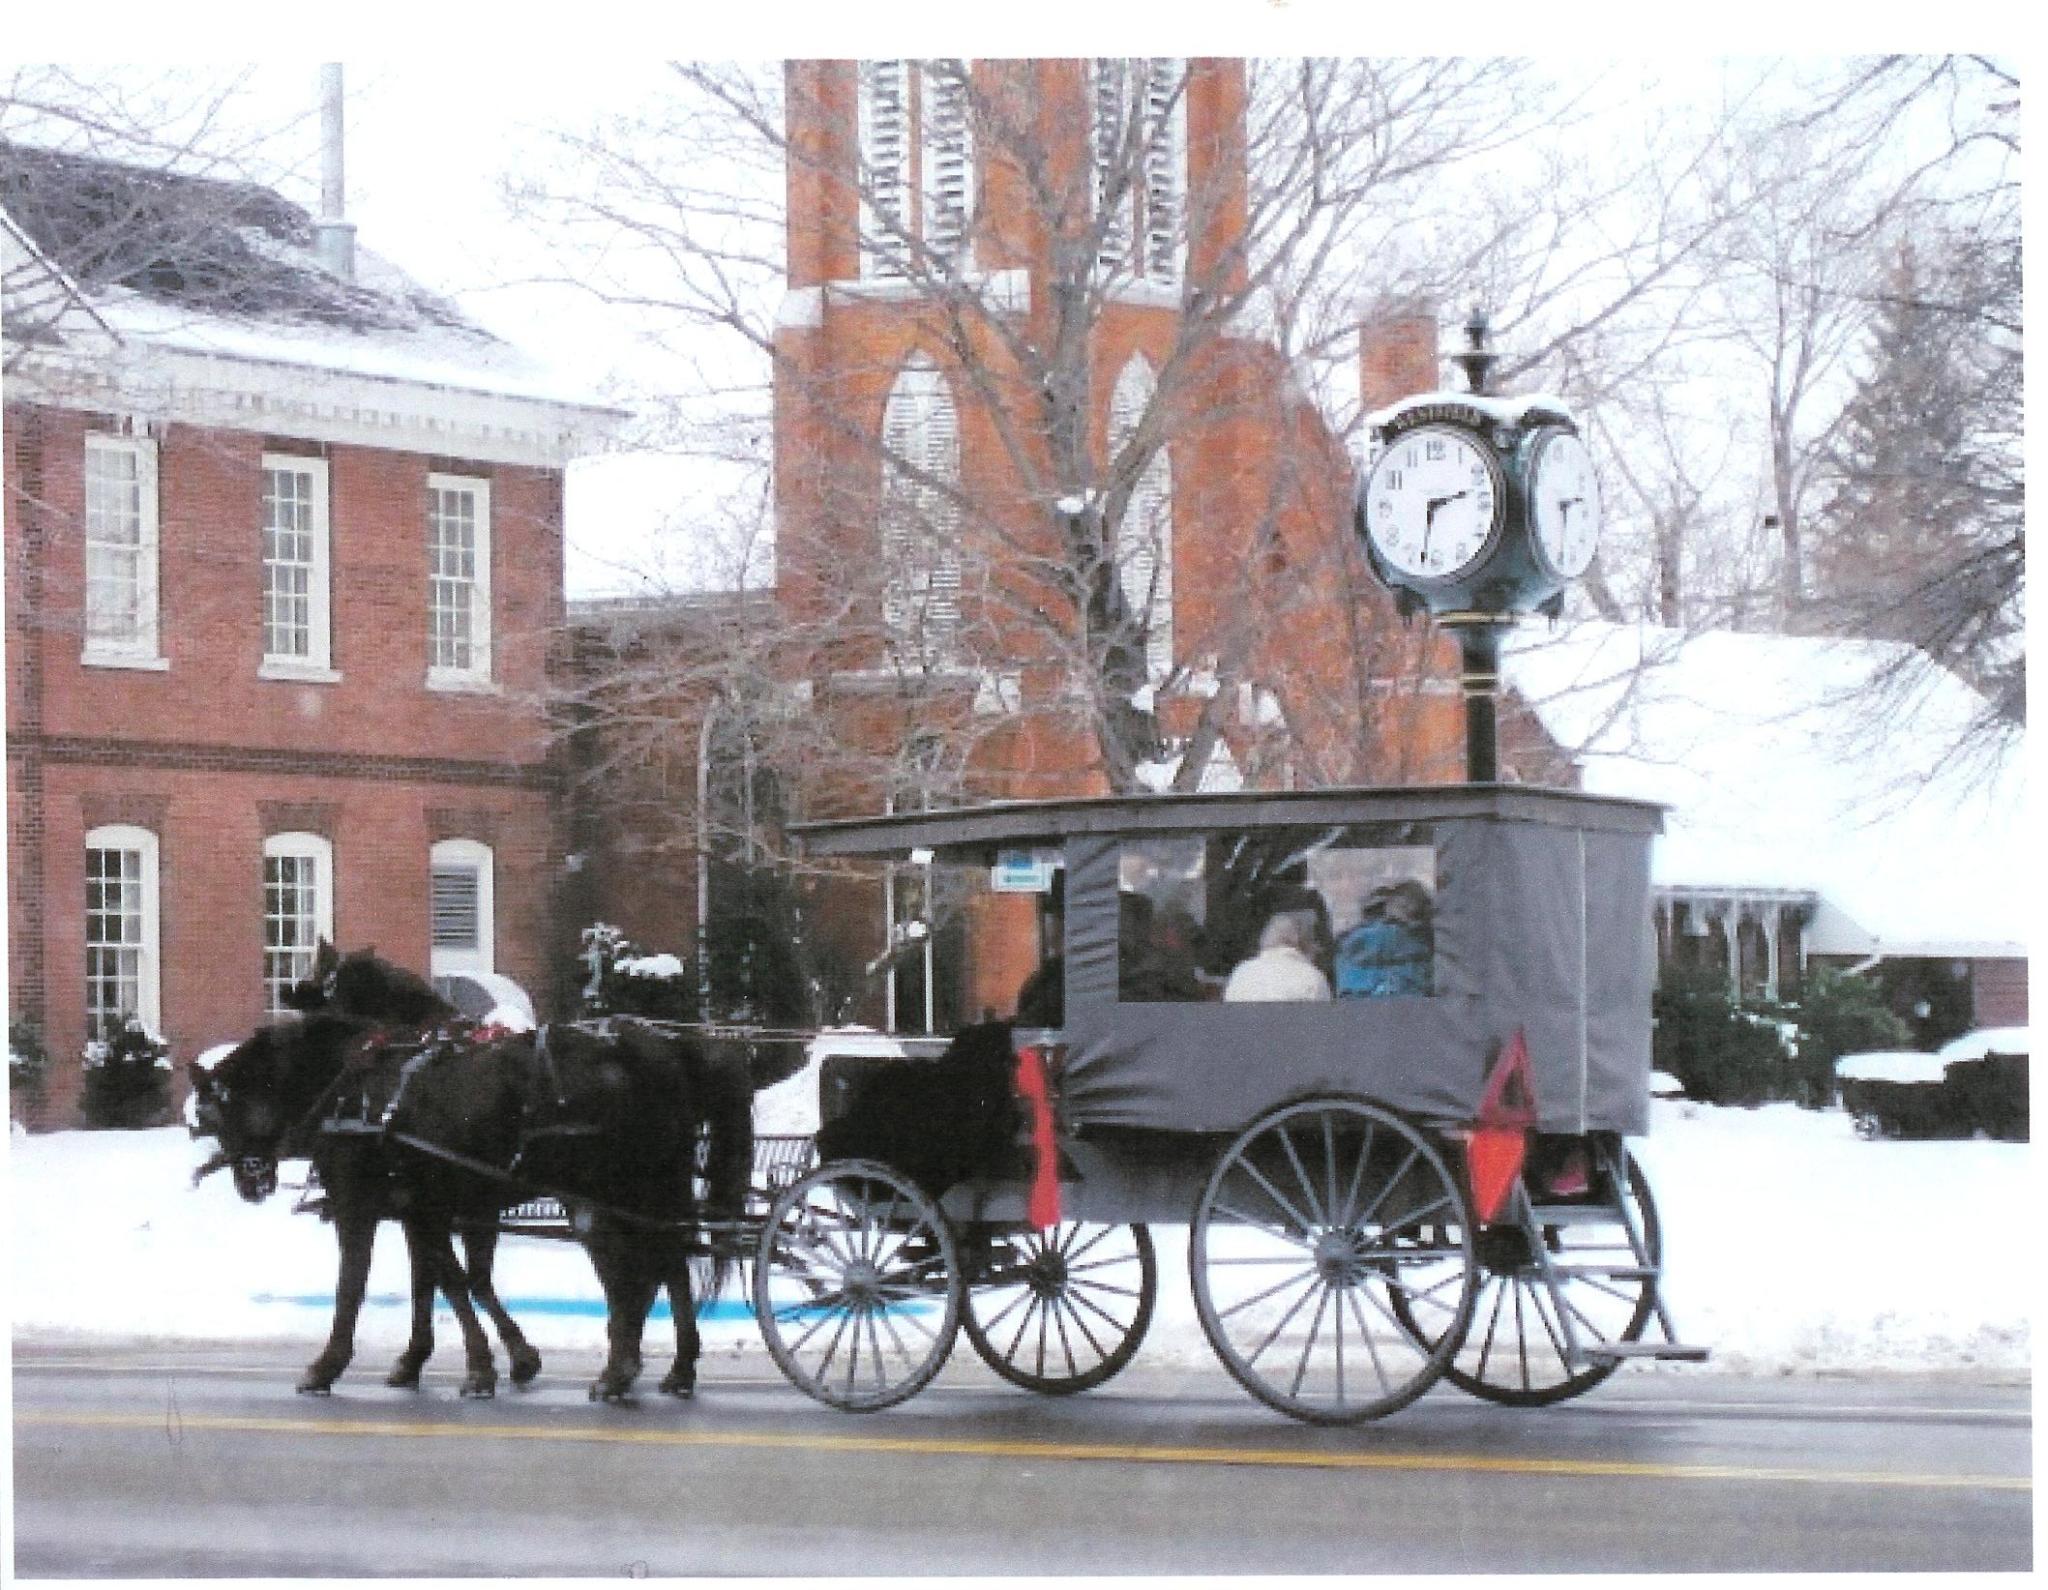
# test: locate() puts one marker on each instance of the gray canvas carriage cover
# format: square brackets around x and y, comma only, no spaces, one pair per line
[1542,923]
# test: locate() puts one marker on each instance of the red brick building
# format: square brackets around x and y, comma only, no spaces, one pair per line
[930,635]
[283,562]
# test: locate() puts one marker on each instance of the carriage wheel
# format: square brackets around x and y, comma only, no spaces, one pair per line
[1313,1223]
[1062,1310]
[1514,1351]
[857,1285]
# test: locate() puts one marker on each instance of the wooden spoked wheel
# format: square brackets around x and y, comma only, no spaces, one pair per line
[1515,1350]
[857,1285]
[1062,1310]
[1313,1223]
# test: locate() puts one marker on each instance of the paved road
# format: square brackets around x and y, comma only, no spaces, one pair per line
[158,1462]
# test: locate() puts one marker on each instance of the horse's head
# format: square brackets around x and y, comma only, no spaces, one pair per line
[260,1095]
[315,990]
[363,984]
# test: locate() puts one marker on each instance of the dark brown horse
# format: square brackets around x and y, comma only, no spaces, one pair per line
[445,1132]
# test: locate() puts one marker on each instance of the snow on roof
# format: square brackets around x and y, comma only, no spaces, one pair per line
[1776,782]
[200,265]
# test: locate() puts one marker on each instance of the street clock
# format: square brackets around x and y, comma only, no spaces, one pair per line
[1478,505]
[1477,509]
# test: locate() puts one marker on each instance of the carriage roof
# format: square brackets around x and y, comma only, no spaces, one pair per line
[976,833]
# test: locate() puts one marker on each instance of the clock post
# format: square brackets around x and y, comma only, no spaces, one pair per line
[1477,509]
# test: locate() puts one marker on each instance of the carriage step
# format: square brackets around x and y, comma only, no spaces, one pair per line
[1678,1351]
[1574,1214]
[1606,1272]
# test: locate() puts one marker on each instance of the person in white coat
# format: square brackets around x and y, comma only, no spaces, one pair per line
[1283,968]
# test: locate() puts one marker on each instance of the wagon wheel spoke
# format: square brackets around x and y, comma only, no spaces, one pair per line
[1372,1351]
[1301,1175]
[1275,1194]
[1296,1279]
[1308,1346]
[1357,1180]
[1311,1283]
[1393,1181]
[1266,1226]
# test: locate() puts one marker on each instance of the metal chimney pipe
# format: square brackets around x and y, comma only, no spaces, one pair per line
[334,237]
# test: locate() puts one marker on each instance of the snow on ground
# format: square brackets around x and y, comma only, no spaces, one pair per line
[1792,1246]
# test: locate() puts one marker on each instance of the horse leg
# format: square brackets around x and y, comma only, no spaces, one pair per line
[406,1371]
[356,1235]
[681,1380]
[479,1254]
[628,1295]
[482,1379]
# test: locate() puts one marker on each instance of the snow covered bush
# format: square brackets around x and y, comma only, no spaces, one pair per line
[127,1080]
[620,980]
[28,1063]
[1839,1014]
[1725,1052]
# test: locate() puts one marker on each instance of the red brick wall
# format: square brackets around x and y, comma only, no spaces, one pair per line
[213,758]
[1998,993]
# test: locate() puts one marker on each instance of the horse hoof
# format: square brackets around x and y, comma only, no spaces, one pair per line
[681,1387]
[316,1388]
[406,1377]
[476,1386]
[619,1396]
[525,1369]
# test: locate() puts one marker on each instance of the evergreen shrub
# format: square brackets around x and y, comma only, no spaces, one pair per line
[127,1080]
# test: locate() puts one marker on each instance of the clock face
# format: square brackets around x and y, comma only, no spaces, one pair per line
[1565,505]
[1432,503]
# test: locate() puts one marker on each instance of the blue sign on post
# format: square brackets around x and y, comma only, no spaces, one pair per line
[1021,872]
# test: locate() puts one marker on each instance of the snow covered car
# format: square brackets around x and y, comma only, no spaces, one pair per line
[1987,1078]
[1898,1093]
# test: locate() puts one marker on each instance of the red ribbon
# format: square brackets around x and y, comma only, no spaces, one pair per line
[1042,1205]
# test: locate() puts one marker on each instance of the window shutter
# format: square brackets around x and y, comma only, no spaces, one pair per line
[885,162]
[1144,540]
[457,897]
[942,526]
[1114,192]
[1165,168]
[948,158]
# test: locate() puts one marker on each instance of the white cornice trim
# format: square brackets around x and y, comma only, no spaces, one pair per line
[227,392]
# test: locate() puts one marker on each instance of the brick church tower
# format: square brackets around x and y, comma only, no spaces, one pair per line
[1054,514]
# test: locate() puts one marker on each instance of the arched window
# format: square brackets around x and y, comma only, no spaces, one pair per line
[298,910]
[1144,540]
[460,895]
[1138,110]
[921,518]
[122,959]
[917,162]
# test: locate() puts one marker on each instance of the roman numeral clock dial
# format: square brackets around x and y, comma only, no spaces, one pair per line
[1432,504]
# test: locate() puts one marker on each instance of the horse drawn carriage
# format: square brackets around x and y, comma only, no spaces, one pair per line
[1377,1049]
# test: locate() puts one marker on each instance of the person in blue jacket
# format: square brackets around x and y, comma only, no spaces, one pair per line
[1389,951]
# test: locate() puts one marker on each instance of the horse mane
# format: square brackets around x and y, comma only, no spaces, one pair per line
[366,985]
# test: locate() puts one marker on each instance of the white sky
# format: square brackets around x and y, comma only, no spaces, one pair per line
[446,102]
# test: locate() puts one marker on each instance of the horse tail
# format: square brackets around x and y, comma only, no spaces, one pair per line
[726,1111]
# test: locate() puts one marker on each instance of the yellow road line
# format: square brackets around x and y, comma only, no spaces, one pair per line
[1095,1452]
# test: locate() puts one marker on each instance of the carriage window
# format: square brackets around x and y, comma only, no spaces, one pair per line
[1286,915]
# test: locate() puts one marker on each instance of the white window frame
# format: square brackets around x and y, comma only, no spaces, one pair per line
[465,854]
[905,168]
[126,837]
[1144,539]
[319,851]
[477,675]
[315,664]
[140,646]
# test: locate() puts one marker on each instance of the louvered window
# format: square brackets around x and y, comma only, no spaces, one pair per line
[917,164]
[921,519]
[460,908]
[1139,139]
[1144,540]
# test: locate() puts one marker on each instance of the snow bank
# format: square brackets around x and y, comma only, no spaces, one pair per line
[1792,1244]
[1987,1041]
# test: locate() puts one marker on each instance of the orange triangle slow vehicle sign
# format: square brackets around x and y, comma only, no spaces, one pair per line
[1500,1132]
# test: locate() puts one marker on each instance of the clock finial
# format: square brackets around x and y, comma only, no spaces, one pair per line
[1478,359]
